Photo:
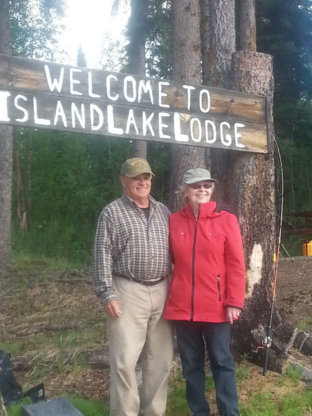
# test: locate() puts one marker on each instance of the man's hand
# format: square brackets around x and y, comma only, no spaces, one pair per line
[232,313]
[112,309]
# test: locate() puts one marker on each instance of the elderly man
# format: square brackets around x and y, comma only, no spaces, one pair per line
[131,264]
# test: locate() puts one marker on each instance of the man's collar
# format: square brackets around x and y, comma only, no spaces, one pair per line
[132,202]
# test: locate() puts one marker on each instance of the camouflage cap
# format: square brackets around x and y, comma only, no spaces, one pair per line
[135,166]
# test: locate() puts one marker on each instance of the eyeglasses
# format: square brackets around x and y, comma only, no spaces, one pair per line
[198,186]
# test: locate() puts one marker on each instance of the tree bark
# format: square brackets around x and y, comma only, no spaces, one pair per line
[137,28]
[186,67]
[248,25]
[20,203]
[221,43]
[253,192]
[205,45]
[205,38]
[6,139]
[29,178]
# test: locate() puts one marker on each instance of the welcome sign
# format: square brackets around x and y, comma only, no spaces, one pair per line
[61,97]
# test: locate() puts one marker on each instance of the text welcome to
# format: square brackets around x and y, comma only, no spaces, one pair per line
[46,95]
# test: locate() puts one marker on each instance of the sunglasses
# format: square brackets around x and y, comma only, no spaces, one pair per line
[198,186]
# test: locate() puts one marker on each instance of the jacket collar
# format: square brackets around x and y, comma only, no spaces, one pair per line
[206,210]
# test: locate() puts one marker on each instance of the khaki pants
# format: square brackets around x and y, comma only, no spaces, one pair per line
[140,324]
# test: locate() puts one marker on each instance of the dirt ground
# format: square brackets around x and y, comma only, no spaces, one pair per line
[294,290]
[54,327]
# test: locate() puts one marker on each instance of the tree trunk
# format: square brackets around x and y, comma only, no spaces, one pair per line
[137,29]
[205,45]
[248,25]
[6,139]
[221,43]
[253,192]
[186,67]
[29,177]
[222,38]
[20,203]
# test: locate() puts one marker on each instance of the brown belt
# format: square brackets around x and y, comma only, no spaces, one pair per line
[144,282]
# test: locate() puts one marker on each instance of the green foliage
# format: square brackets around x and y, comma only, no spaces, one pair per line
[8,345]
[73,178]
[303,325]
[290,405]
[259,405]
[16,410]
[242,373]
[209,383]
[284,31]
[34,27]
[86,407]
[176,403]
[294,373]
[89,407]
[159,39]
[155,27]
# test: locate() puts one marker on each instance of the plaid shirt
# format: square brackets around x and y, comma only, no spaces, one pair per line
[129,244]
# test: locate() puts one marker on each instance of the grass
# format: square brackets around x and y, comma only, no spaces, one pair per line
[13,347]
[255,402]
[304,324]
[29,262]
[242,373]
[177,404]
[59,358]
[294,374]
[52,247]
[290,405]
[260,404]
[86,407]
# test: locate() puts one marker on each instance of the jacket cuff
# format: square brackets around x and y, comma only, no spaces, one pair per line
[231,304]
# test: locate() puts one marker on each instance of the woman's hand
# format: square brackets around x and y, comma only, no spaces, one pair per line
[232,313]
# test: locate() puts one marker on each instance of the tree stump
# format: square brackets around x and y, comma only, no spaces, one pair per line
[253,192]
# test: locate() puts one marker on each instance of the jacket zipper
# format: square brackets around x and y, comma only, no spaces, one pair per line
[219,291]
[193,267]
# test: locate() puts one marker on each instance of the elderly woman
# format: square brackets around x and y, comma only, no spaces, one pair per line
[207,292]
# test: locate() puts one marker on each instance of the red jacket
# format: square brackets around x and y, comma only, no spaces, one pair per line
[209,271]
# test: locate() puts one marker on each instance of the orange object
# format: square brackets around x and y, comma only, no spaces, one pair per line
[307,249]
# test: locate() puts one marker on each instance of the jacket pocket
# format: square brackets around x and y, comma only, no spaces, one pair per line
[219,290]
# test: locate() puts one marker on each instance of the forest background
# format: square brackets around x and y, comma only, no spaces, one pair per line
[62,181]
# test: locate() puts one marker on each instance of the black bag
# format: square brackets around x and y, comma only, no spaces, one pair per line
[10,390]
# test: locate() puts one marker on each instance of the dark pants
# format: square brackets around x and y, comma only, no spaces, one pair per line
[192,337]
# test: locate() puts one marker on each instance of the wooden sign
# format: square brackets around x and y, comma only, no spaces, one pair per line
[60,97]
